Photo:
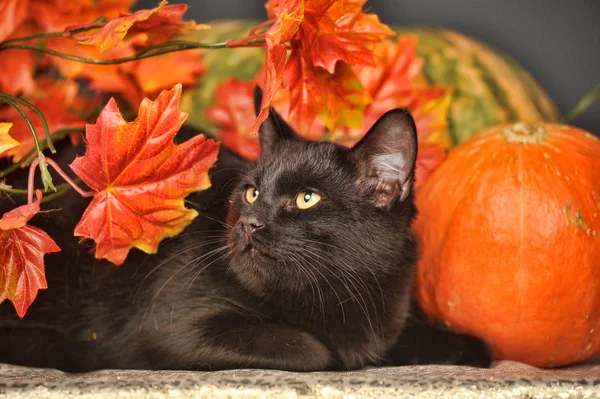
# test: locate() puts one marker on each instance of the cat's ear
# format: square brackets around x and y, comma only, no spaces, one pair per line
[386,158]
[273,129]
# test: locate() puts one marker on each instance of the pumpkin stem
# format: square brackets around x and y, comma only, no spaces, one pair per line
[524,133]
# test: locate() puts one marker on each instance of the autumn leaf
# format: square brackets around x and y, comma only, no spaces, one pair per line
[108,78]
[55,100]
[340,97]
[22,249]
[140,177]
[300,81]
[183,67]
[6,142]
[392,81]
[430,108]
[57,15]
[234,114]
[289,17]
[16,77]
[157,24]
[430,156]
[12,14]
[340,31]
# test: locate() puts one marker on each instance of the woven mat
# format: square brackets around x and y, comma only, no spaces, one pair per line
[504,380]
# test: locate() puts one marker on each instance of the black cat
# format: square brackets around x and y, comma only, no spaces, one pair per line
[302,261]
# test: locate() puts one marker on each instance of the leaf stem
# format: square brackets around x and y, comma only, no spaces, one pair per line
[46,35]
[27,158]
[582,105]
[260,26]
[62,173]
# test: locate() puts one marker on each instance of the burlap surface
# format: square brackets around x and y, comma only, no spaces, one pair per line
[504,380]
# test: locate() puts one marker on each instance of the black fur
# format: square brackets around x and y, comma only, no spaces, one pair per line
[252,285]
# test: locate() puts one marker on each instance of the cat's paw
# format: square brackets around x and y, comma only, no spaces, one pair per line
[423,343]
[471,351]
[294,351]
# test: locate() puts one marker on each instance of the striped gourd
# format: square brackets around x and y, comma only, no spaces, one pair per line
[489,87]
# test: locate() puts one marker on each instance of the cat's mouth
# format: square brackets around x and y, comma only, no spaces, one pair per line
[255,249]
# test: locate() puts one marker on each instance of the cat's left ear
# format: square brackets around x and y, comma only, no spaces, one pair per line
[386,158]
[273,129]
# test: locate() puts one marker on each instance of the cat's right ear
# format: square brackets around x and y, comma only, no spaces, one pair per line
[386,158]
[273,129]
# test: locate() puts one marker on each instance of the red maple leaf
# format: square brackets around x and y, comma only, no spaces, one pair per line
[140,177]
[22,249]
[55,99]
[157,24]
[234,115]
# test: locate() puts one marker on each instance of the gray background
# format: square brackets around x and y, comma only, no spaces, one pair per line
[558,41]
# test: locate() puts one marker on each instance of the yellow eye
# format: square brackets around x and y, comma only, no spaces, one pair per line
[307,199]
[251,194]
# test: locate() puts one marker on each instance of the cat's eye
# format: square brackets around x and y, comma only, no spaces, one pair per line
[307,199]
[251,194]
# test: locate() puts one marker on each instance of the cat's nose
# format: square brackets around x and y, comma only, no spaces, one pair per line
[251,224]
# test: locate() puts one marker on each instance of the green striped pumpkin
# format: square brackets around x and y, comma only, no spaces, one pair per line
[490,88]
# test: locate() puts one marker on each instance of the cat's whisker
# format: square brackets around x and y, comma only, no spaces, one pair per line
[227,226]
[205,267]
[364,306]
[175,255]
[313,283]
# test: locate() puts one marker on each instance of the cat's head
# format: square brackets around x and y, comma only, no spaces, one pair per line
[311,212]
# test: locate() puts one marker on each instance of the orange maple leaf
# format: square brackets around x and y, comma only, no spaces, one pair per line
[391,82]
[22,249]
[57,15]
[55,100]
[109,78]
[289,17]
[394,82]
[140,177]
[234,115]
[149,73]
[157,24]
[334,34]
[339,31]
[12,14]
[429,157]
[18,66]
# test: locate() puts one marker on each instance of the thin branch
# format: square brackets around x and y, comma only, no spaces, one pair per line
[28,158]
[39,114]
[164,48]
[11,101]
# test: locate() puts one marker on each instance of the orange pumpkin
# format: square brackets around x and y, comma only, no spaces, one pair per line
[509,231]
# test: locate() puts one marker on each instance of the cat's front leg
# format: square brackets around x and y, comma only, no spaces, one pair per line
[424,343]
[237,341]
